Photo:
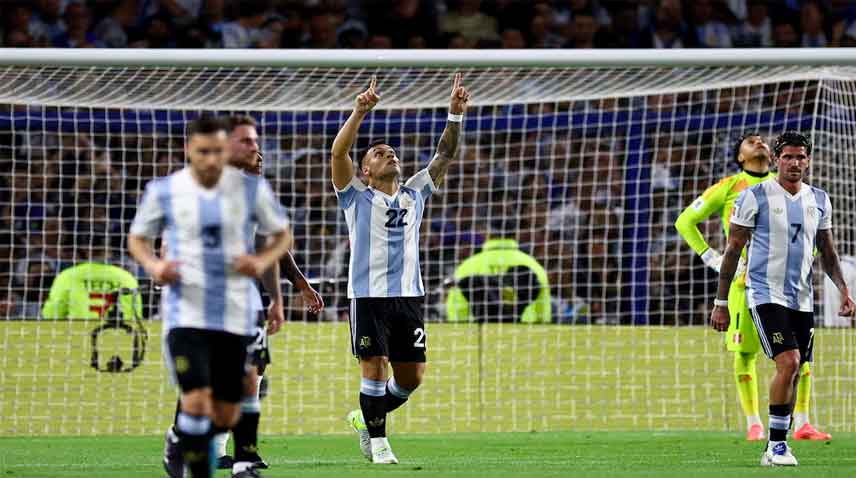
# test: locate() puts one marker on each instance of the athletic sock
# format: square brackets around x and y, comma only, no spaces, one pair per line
[177,412]
[195,441]
[396,395]
[246,432]
[747,386]
[803,400]
[780,421]
[373,405]
[221,440]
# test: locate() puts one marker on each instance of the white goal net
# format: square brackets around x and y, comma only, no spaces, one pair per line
[585,169]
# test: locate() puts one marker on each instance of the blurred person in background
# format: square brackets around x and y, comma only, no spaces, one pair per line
[500,283]
[87,290]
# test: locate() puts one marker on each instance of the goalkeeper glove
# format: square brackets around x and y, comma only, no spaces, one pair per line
[713,259]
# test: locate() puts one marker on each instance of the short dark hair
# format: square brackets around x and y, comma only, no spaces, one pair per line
[792,138]
[739,143]
[372,144]
[205,125]
[234,121]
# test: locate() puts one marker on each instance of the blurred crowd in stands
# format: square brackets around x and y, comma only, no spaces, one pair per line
[427,23]
[70,193]
[563,194]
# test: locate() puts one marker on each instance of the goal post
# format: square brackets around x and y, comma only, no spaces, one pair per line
[584,158]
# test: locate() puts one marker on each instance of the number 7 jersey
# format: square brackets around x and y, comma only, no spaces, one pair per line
[384,235]
[781,250]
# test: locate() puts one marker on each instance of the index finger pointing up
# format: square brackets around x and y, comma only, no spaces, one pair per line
[373,83]
[456,82]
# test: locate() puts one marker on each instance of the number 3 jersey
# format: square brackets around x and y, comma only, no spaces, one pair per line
[204,230]
[781,250]
[384,235]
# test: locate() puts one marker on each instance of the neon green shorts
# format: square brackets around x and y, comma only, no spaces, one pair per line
[741,335]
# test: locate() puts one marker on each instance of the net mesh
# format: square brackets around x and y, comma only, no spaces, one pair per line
[587,169]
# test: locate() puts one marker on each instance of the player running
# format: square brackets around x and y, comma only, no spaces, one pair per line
[384,279]
[207,213]
[784,218]
[244,154]
[752,154]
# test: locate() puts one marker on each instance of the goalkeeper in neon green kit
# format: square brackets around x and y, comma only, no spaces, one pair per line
[753,156]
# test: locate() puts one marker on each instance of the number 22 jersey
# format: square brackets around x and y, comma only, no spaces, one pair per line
[384,235]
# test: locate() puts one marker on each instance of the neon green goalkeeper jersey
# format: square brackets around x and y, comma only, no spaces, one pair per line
[85,292]
[718,198]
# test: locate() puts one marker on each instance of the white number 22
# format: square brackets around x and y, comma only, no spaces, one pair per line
[420,338]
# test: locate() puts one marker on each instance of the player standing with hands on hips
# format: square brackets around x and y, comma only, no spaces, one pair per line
[784,218]
[384,278]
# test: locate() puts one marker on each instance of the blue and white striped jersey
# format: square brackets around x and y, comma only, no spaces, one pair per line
[204,230]
[781,251]
[384,235]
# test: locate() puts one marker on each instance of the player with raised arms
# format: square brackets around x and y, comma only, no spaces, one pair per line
[244,154]
[781,220]
[208,213]
[752,155]
[384,279]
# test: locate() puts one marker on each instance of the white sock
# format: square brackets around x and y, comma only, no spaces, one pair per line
[800,419]
[771,444]
[753,420]
[259,386]
[380,442]
[220,441]
[241,466]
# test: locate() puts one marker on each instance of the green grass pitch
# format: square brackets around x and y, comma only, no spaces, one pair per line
[497,455]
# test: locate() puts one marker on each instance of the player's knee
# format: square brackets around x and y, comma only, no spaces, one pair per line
[226,416]
[196,402]
[788,363]
[251,382]
[375,368]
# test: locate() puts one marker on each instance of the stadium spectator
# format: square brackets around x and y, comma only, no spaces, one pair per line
[245,31]
[811,22]
[500,284]
[85,290]
[669,30]
[20,17]
[78,33]
[50,15]
[467,20]
[785,35]
[113,29]
[709,32]
[322,31]
[585,29]
[540,35]
[512,38]
[756,30]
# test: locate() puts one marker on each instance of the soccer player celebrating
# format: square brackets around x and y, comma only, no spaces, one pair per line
[207,213]
[783,218]
[244,154]
[384,279]
[752,154]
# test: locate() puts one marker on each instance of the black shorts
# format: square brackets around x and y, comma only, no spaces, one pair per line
[201,358]
[781,329]
[392,327]
[258,351]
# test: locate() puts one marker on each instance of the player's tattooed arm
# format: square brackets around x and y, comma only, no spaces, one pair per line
[832,268]
[342,164]
[270,277]
[312,300]
[738,237]
[447,149]
[829,258]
